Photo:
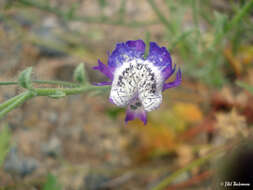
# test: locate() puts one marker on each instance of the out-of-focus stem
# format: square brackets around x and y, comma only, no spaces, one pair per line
[235,20]
[161,17]
[86,19]
[167,181]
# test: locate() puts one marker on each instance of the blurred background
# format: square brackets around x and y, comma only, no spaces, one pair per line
[193,141]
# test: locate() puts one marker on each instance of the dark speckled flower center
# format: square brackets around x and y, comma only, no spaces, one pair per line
[137,79]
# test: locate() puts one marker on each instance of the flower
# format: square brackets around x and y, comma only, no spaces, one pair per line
[137,82]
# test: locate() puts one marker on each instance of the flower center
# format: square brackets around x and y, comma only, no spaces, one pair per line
[137,79]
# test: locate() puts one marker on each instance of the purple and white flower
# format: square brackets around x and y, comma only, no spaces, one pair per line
[137,82]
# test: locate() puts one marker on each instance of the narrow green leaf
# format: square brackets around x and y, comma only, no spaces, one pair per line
[180,38]
[51,183]
[15,102]
[79,74]
[5,136]
[245,86]
[24,78]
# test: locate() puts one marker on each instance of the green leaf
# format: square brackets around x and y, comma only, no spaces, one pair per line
[220,22]
[5,137]
[180,38]
[79,74]
[24,78]
[245,86]
[51,183]
[72,11]
[58,94]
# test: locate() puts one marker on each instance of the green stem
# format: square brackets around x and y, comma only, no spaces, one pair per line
[195,13]
[122,10]
[17,102]
[67,91]
[235,20]
[163,184]
[161,17]
[20,99]
[147,41]
[196,20]
[64,83]
[8,83]
[10,101]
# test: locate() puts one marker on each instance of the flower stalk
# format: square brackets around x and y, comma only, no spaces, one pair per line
[24,80]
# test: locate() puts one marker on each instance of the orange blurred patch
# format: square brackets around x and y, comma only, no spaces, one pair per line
[188,112]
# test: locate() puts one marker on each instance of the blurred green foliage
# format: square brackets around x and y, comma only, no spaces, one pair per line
[245,86]
[5,137]
[200,44]
[193,29]
[51,183]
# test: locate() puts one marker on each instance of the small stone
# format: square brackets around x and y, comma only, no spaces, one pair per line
[19,165]
[95,181]
[53,147]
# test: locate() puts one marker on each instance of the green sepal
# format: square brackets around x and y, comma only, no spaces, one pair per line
[24,78]
[79,74]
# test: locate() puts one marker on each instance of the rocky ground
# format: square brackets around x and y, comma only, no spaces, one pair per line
[82,139]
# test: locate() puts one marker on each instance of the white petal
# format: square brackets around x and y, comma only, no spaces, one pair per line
[150,101]
[137,78]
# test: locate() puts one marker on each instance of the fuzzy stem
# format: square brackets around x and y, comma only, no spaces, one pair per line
[64,83]
[20,99]
[10,101]
[67,91]
[16,102]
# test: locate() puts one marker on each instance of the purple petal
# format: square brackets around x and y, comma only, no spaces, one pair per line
[159,56]
[168,72]
[143,117]
[110,100]
[130,115]
[133,114]
[107,71]
[103,83]
[175,83]
[123,51]
[138,46]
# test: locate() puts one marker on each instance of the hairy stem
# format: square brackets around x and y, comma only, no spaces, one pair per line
[21,98]
[16,102]
[63,83]
[67,91]
[10,101]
